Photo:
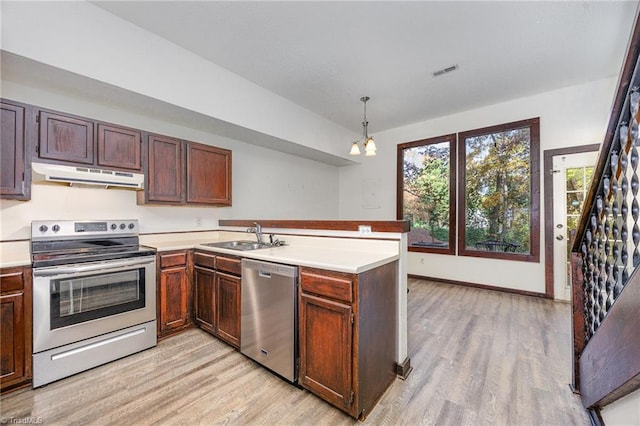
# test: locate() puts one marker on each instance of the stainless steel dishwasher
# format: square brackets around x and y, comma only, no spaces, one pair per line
[269,316]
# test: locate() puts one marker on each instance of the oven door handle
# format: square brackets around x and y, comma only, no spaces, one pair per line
[102,267]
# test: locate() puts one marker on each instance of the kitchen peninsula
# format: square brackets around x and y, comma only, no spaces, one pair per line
[352,337]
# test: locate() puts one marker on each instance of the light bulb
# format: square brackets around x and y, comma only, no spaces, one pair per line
[355,149]
[370,147]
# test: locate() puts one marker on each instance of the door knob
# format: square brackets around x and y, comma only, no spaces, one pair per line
[560,237]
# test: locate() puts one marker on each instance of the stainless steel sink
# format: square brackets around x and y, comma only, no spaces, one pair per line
[239,245]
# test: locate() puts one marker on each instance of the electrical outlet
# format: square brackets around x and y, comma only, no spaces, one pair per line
[198,221]
[364,229]
[422,260]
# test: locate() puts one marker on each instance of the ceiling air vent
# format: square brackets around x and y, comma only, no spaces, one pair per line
[445,70]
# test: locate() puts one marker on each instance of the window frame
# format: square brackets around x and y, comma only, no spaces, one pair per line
[534,212]
[452,139]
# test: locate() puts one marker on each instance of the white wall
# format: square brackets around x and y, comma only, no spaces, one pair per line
[266,184]
[79,37]
[623,412]
[571,116]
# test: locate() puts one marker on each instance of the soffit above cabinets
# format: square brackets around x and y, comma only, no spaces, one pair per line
[25,71]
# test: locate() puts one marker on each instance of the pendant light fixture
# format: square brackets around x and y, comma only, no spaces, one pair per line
[369,144]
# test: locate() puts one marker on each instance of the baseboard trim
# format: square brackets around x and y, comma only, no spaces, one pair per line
[482,286]
[403,370]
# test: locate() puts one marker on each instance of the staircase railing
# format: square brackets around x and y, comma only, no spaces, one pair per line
[606,254]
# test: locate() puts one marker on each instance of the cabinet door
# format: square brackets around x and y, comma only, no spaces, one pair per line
[208,175]
[174,302]
[228,308]
[15,326]
[204,285]
[12,152]
[325,335]
[165,170]
[118,147]
[65,138]
[12,337]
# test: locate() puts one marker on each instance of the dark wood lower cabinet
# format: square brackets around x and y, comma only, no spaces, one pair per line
[228,308]
[347,322]
[217,295]
[325,349]
[347,335]
[204,281]
[15,327]
[174,292]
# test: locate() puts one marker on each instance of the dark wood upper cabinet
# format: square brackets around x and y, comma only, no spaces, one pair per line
[66,138]
[177,172]
[165,170]
[119,147]
[180,172]
[208,174]
[14,177]
[84,141]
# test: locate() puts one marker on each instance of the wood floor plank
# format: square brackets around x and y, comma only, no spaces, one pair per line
[480,357]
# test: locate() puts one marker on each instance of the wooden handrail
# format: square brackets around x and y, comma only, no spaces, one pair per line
[399,226]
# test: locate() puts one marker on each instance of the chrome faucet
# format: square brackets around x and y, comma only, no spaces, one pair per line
[257,229]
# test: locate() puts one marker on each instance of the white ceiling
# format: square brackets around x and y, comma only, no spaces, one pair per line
[325,55]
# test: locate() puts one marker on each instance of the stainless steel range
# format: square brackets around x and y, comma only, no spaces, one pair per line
[94,296]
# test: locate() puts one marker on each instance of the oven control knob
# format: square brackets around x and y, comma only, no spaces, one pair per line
[43,228]
[131,225]
[122,226]
[114,226]
[55,228]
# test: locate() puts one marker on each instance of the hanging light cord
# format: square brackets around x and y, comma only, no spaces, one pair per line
[365,123]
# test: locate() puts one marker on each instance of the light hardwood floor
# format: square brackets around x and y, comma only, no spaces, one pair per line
[480,358]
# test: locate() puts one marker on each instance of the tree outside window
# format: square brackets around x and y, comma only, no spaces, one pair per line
[426,188]
[499,191]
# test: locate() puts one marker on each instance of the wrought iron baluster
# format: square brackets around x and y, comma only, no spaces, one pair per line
[610,245]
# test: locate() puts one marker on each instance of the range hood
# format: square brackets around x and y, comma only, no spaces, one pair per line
[83,176]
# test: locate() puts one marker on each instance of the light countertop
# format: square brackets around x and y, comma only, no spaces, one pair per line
[342,255]
[321,253]
[15,253]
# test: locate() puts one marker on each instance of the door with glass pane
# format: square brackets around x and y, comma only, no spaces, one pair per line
[572,176]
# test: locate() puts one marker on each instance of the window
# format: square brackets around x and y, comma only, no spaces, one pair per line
[499,191]
[426,193]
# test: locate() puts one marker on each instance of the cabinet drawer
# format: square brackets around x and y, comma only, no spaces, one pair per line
[173,259]
[232,265]
[335,285]
[204,259]
[11,280]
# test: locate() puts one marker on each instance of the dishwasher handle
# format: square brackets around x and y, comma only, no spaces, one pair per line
[267,269]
